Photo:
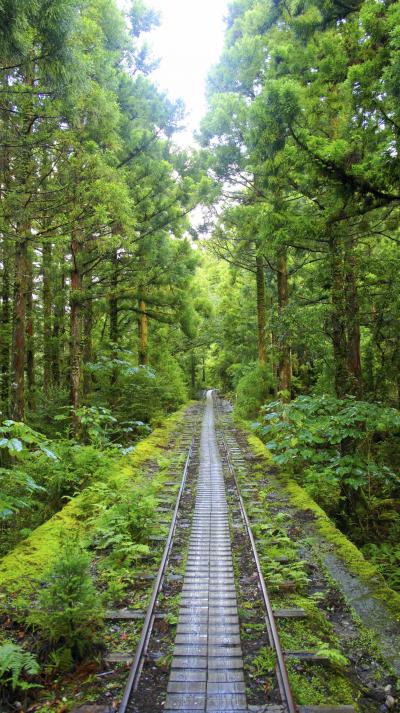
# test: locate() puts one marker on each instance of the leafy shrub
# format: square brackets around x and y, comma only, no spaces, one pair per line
[68,612]
[253,390]
[332,447]
[75,468]
[386,556]
[122,525]
[19,441]
[140,394]
[15,665]
[16,491]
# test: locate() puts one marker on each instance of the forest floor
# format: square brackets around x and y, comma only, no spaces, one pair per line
[303,568]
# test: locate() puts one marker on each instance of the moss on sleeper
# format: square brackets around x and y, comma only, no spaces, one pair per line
[21,568]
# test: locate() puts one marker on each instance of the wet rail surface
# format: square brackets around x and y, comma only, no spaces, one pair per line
[207,667]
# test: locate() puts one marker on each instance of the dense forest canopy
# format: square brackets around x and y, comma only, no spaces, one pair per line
[116,307]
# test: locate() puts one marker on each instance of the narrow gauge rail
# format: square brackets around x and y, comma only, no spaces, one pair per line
[140,654]
[281,671]
[288,704]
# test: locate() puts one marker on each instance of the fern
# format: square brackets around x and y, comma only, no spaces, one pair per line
[15,663]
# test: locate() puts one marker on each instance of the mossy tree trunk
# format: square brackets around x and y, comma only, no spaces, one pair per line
[284,360]
[75,331]
[58,332]
[87,340]
[30,337]
[261,310]
[47,316]
[19,324]
[338,317]
[5,328]
[143,333]
[353,319]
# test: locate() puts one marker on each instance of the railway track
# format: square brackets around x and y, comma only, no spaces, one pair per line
[201,668]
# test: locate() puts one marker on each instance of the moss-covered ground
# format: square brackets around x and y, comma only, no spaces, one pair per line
[296,579]
[122,520]
[24,565]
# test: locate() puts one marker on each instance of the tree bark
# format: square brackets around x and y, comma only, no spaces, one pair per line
[5,330]
[113,313]
[143,332]
[57,349]
[261,311]
[30,343]
[284,363]
[87,345]
[24,181]
[353,321]
[75,333]
[113,302]
[47,315]
[338,317]
[19,327]
[193,371]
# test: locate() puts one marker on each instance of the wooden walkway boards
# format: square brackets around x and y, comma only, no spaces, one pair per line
[207,666]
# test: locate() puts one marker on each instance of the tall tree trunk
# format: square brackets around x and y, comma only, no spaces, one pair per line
[87,344]
[5,330]
[284,364]
[193,371]
[30,344]
[113,301]
[338,316]
[113,313]
[261,311]
[57,349]
[353,320]
[143,332]
[6,256]
[75,333]
[19,327]
[47,314]
[24,181]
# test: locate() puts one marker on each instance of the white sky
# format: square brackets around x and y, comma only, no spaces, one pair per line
[188,42]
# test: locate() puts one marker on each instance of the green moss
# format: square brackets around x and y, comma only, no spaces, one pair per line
[344,549]
[319,685]
[24,565]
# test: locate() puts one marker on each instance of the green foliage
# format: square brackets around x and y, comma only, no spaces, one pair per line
[386,557]
[20,441]
[252,390]
[333,448]
[143,395]
[16,491]
[15,665]
[122,524]
[96,422]
[263,664]
[68,611]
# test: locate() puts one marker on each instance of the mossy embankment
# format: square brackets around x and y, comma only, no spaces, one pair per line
[342,546]
[21,568]
[376,604]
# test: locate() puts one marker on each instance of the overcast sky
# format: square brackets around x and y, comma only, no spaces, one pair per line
[188,42]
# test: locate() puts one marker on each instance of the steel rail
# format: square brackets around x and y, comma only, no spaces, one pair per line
[282,674]
[141,649]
